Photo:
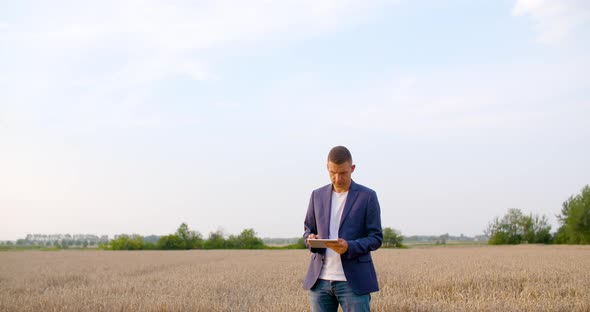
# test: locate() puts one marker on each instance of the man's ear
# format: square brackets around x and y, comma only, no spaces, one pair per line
[352,168]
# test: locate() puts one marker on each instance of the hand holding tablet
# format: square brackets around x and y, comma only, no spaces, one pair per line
[320,243]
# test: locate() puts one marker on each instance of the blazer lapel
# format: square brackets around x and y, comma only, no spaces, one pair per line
[352,195]
[326,211]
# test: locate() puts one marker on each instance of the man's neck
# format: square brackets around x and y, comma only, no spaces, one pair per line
[340,190]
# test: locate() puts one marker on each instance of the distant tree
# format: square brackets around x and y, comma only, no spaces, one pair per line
[517,228]
[170,242]
[215,241]
[392,238]
[575,219]
[506,230]
[297,243]
[442,240]
[232,242]
[536,229]
[184,238]
[127,242]
[85,245]
[151,239]
[300,243]
[248,240]
[190,239]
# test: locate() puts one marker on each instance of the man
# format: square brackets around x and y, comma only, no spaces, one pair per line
[342,274]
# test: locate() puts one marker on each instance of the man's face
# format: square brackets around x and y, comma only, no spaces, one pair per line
[340,175]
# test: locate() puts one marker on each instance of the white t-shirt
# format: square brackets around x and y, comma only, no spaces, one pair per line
[332,267]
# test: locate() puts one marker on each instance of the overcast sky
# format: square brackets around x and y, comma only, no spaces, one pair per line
[134,116]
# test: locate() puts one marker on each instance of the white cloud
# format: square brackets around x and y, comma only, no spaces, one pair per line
[105,49]
[554,20]
[464,101]
[229,105]
[105,55]
[196,70]
[471,100]
[161,37]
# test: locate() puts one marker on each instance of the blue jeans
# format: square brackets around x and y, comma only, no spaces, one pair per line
[325,296]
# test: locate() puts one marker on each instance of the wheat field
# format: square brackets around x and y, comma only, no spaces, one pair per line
[484,278]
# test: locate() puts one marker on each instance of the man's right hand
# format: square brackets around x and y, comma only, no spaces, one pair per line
[310,236]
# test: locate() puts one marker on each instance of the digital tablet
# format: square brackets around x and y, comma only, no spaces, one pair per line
[320,243]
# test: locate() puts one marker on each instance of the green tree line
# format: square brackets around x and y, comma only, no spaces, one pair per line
[517,228]
[185,238]
[575,219]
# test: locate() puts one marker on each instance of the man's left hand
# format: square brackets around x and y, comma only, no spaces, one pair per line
[339,247]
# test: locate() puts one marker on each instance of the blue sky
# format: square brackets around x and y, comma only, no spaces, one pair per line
[135,116]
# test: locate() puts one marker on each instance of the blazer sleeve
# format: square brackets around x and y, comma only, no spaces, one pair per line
[372,241]
[310,225]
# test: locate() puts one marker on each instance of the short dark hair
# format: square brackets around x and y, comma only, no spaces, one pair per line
[339,155]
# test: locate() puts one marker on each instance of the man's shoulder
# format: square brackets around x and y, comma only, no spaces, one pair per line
[361,188]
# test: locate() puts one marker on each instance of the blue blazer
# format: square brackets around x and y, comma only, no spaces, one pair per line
[360,226]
